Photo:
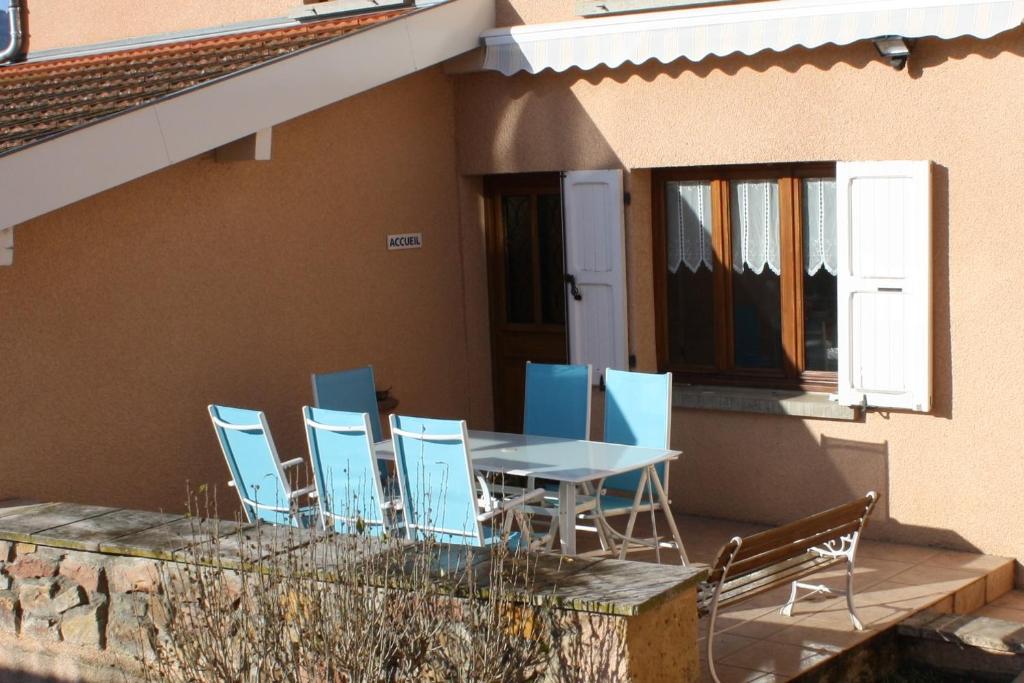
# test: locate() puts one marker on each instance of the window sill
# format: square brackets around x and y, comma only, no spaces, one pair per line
[767,401]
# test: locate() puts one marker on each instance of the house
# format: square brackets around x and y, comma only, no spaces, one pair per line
[801,208]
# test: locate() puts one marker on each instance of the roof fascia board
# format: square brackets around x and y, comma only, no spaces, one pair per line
[48,176]
[84,162]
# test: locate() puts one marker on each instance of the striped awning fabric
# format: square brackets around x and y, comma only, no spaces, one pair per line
[694,34]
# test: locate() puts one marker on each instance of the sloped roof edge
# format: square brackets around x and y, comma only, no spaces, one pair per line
[86,161]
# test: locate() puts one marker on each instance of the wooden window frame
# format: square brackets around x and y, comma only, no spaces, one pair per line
[793,374]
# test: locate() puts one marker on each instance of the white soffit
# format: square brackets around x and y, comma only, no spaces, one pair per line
[87,161]
[694,34]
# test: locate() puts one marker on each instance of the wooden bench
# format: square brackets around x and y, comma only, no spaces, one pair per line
[749,566]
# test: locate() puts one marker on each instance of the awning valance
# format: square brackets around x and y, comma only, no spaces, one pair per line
[748,28]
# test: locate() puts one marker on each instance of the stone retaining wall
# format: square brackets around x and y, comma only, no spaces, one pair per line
[80,599]
[87,601]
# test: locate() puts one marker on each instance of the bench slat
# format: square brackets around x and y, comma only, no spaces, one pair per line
[752,582]
[772,556]
[764,559]
[802,528]
[757,584]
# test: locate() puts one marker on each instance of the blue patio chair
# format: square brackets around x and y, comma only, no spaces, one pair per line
[557,403]
[351,391]
[257,473]
[349,479]
[557,400]
[439,490]
[637,412]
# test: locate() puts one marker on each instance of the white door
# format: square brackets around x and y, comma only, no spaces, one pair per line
[595,269]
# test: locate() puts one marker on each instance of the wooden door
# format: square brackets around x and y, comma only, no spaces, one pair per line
[526,269]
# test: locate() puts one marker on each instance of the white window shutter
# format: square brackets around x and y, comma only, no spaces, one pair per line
[595,257]
[885,284]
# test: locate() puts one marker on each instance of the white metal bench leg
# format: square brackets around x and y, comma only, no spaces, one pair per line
[854,619]
[787,609]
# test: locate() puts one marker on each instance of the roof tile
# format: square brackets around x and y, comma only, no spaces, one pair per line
[39,100]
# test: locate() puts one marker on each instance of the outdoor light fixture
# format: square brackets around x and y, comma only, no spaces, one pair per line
[894,48]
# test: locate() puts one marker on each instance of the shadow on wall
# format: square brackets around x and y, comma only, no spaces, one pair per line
[528,101]
[942,345]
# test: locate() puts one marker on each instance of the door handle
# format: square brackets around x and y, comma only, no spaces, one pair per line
[570,279]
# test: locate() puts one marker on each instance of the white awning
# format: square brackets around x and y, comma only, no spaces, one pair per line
[748,28]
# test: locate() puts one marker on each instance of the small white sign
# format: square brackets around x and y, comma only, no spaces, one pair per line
[408,240]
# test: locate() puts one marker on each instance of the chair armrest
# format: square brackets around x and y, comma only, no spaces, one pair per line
[292,463]
[505,505]
[302,492]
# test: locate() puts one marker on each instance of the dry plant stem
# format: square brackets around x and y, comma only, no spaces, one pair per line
[319,606]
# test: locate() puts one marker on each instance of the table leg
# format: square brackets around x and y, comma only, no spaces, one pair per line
[567,516]
[667,511]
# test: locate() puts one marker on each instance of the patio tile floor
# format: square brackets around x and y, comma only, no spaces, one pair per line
[892,581]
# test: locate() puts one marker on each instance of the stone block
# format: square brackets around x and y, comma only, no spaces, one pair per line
[33,566]
[24,548]
[129,629]
[5,582]
[35,595]
[69,596]
[10,611]
[133,575]
[40,627]
[158,612]
[5,550]
[85,625]
[85,570]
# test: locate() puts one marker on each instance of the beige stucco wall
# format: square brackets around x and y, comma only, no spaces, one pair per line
[517,12]
[124,315]
[65,23]
[953,476]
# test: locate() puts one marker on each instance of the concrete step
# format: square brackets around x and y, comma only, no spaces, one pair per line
[979,647]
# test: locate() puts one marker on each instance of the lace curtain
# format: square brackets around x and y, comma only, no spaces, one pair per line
[689,226]
[819,195]
[755,226]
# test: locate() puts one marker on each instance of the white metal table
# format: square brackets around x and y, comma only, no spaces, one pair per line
[567,461]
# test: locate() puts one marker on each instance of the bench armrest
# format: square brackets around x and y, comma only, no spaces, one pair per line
[292,463]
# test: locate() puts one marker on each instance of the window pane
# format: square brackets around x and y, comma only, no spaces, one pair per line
[820,316]
[515,211]
[552,264]
[821,350]
[757,318]
[688,227]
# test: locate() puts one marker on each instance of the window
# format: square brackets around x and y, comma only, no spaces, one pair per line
[746,267]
